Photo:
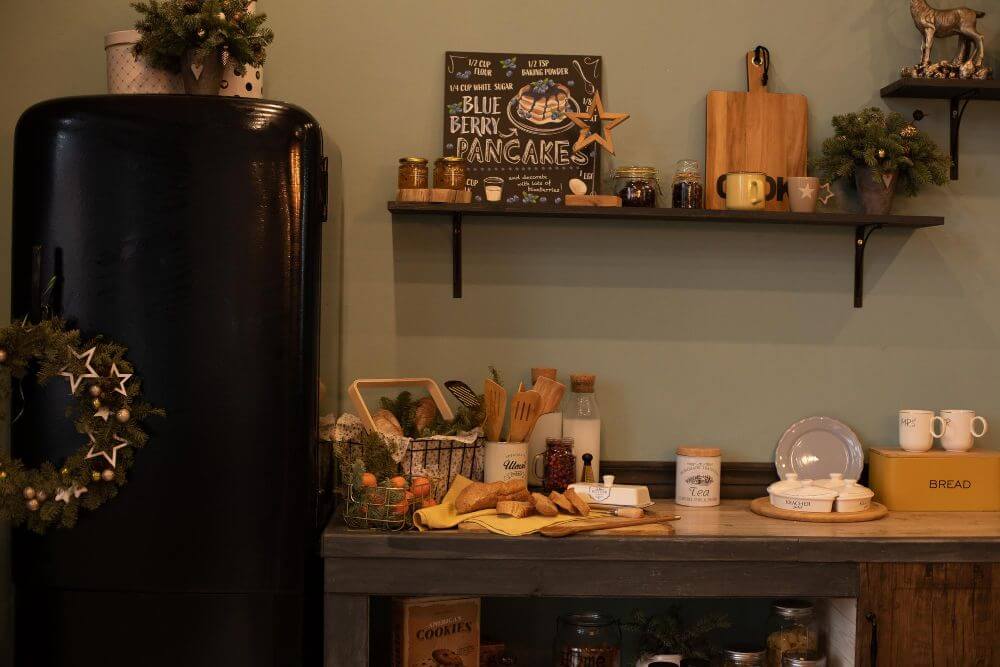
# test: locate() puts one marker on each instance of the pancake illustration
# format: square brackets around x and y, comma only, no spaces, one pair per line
[543,102]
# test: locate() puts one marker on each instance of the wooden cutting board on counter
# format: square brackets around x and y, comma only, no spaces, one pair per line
[755,131]
[650,530]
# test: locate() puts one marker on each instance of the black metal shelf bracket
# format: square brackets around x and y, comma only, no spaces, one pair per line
[861,234]
[456,255]
[957,106]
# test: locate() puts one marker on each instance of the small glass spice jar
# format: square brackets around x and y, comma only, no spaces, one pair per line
[449,173]
[746,655]
[588,638]
[637,186]
[412,173]
[687,189]
[803,659]
[558,464]
[791,627]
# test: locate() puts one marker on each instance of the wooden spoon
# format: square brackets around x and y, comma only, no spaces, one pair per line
[523,415]
[496,407]
[552,393]
[564,529]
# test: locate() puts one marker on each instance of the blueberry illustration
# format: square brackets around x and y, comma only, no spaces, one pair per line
[478,198]
[509,73]
[543,200]
[571,83]
[450,146]
[558,200]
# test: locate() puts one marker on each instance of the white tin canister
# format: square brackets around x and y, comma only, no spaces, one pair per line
[699,476]
[129,75]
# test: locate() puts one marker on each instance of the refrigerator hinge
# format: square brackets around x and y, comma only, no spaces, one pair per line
[324,188]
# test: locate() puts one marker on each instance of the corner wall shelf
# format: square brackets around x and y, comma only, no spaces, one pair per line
[958,92]
[863,225]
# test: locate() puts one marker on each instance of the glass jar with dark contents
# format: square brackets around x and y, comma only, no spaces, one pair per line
[412,173]
[560,464]
[588,638]
[687,190]
[449,173]
[637,186]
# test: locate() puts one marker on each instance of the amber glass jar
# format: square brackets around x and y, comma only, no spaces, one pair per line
[744,656]
[637,186]
[449,173]
[412,173]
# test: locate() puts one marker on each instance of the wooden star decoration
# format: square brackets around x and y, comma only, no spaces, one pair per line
[74,379]
[596,113]
[113,458]
[122,378]
[62,495]
[103,413]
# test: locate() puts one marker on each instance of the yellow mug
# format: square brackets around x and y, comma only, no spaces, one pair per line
[745,190]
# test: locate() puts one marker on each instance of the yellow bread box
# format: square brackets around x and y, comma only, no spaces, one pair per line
[936,480]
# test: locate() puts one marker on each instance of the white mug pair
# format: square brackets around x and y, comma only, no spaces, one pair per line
[955,428]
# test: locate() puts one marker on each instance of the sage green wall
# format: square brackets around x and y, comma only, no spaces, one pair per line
[697,335]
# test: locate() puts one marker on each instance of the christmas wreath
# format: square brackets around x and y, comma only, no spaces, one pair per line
[106,407]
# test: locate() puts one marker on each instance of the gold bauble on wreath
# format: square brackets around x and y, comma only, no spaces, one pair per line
[54,495]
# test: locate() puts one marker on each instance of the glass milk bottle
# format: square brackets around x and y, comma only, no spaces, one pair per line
[582,422]
[548,426]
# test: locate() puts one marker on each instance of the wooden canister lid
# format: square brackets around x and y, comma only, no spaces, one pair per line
[699,451]
[536,373]
[583,383]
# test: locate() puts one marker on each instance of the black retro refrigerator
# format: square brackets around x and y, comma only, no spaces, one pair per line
[187,228]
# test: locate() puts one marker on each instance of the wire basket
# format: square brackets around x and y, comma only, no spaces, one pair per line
[440,459]
[380,507]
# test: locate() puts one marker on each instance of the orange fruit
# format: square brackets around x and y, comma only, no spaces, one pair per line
[403,506]
[421,487]
[398,482]
[369,480]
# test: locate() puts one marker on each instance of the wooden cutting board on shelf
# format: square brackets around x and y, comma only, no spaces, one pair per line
[755,131]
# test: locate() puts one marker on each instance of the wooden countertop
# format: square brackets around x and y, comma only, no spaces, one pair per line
[730,532]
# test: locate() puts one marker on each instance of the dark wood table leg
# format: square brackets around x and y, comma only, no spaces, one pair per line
[345,630]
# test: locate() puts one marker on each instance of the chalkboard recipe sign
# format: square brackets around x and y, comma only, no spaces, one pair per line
[506,115]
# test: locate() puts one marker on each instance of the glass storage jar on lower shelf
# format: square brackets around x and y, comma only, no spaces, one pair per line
[637,186]
[588,638]
[791,627]
[744,656]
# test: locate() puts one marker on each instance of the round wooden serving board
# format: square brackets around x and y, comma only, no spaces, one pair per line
[763,507]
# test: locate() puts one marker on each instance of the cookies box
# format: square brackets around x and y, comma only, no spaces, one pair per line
[435,632]
[935,480]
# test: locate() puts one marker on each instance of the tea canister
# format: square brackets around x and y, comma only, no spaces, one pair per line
[699,476]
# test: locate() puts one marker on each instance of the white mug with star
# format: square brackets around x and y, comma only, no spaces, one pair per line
[804,192]
[916,429]
[960,429]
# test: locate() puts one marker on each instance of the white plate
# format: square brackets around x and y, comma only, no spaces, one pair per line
[814,447]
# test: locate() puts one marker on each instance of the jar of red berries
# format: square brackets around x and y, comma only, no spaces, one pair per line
[559,464]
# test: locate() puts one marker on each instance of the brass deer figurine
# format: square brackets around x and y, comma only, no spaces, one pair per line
[959,21]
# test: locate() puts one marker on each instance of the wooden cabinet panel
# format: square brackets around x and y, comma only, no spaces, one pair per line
[929,615]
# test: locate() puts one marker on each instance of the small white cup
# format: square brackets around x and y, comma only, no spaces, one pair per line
[916,429]
[505,461]
[960,429]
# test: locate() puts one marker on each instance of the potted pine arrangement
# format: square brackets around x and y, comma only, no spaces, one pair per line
[198,38]
[881,153]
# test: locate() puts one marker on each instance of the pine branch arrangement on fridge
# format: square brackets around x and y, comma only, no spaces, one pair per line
[172,29]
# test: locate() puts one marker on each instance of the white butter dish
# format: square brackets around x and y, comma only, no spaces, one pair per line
[609,493]
[835,482]
[804,498]
[852,497]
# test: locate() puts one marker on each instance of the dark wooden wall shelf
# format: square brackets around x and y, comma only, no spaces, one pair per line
[958,92]
[863,225]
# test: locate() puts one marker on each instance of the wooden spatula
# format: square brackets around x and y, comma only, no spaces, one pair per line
[496,407]
[551,391]
[565,529]
[524,412]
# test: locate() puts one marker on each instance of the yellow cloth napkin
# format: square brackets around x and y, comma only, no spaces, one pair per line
[444,516]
